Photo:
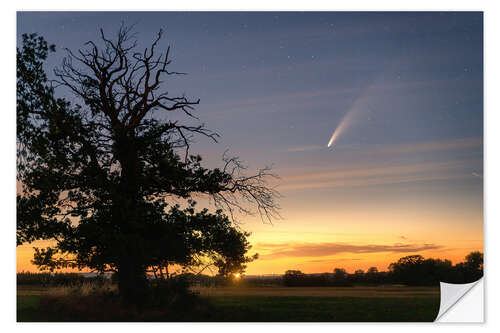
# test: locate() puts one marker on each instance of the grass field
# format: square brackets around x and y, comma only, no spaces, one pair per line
[301,304]
[359,291]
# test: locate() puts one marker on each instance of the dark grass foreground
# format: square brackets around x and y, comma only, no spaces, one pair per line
[233,309]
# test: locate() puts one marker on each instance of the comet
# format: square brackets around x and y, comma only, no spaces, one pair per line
[345,122]
[340,128]
[360,106]
[363,103]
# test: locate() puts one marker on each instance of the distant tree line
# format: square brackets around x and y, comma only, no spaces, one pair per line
[412,270]
[339,277]
[57,279]
[416,270]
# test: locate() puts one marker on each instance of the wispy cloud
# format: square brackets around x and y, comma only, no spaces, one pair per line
[274,251]
[431,146]
[369,182]
[454,144]
[376,175]
[375,171]
[303,148]
[288,101]
[333,260]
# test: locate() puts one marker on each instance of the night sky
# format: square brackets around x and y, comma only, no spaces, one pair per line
[404,175]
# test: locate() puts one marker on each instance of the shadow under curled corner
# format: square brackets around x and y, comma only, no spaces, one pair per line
[461,303]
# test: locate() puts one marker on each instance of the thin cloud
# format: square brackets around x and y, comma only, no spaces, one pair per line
[376,176]
[328,249]
[370,182]
[395,174]
[333,260]
[303,148]
[455,144]
[376,171]
[432,146]
[297,100]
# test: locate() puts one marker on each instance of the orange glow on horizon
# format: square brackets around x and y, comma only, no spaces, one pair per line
[364,214]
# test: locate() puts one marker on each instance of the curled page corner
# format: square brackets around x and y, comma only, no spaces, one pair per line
[461,302]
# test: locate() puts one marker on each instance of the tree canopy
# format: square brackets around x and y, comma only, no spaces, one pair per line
[111,178]
[416,270]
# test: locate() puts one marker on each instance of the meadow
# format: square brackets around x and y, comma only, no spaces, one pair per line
[274,304]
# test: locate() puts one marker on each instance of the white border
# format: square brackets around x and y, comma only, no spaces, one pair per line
[492,161]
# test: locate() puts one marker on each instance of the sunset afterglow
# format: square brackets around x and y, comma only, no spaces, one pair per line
[397,97]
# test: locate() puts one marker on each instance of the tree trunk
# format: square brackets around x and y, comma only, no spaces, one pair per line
[132,278]
[132,283]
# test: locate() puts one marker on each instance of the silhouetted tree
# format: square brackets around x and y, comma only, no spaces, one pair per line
[415,270]
[339,274]
[293,278]
[470,270]
[474,261]
[358,276]
[101,178]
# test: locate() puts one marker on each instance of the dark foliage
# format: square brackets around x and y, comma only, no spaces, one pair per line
[293,278]
[417,271]
[102,178]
